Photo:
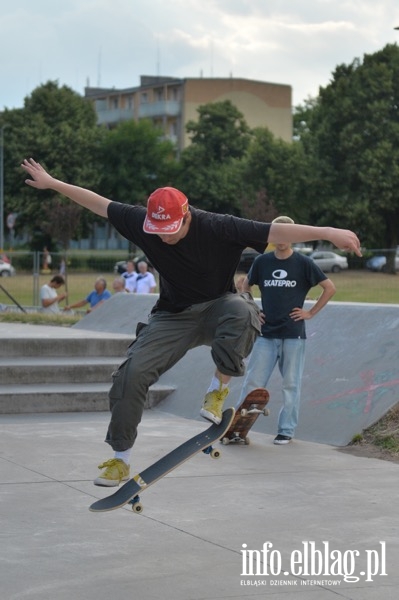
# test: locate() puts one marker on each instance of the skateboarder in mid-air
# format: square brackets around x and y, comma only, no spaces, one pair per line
[196,254]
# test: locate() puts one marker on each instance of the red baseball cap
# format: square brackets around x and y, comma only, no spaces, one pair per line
[166,208]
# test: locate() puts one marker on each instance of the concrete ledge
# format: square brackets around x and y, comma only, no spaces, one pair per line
[55,398]
[57,370]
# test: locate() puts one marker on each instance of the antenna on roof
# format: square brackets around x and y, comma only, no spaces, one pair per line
[99,68]
[158,59]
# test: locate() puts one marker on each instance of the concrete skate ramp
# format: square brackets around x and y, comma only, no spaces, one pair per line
[351,376]
[119,314]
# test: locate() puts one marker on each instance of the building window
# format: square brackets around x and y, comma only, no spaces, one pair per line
[100,104]
[144,98]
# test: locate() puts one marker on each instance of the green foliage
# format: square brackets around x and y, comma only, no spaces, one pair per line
[39,318]
[23,262]
[342,168]
[278,168]
[210,168]
[56,127]
[351,143]
[221,132]
[135,161]
[101,264]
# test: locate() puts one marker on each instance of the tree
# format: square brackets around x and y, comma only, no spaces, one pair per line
[352,142]
[135,160]
[220,132]
[276,174]
[210,166]
[61,223]
[58,128]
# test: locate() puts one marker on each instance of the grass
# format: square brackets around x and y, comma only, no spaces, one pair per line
[39,318]
[364,286]
[383,435]
[352,286]
[22,287]
[360,286]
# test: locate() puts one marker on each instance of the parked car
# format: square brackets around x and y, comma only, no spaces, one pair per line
[303,247]
[329,261]
[378,263]
[6,270]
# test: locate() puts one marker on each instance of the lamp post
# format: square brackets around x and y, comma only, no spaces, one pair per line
[2,128]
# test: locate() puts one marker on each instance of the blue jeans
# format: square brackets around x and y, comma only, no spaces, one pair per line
[289,354]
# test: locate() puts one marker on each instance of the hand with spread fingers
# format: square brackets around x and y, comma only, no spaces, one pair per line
[40,178]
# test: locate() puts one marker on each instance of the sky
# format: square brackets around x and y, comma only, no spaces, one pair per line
[111,43]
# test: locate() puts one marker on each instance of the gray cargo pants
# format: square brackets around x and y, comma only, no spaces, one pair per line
[229,325]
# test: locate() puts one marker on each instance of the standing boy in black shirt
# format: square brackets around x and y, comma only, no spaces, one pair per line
[284,278]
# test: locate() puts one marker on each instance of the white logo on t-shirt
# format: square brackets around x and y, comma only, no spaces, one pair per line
[279,280]
[279,274]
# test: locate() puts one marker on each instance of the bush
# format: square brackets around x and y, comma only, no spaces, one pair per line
[102,264]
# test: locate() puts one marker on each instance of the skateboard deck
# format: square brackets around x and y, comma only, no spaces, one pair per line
[245,416]
[130,490]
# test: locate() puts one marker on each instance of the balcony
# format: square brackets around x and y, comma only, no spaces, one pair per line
[114,115]
[164,108]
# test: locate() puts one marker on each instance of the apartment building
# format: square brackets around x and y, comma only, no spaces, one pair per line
[170,103]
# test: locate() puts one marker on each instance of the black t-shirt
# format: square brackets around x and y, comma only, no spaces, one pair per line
[201,266]
[283,284]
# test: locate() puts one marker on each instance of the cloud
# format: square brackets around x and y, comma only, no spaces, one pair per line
[112,43]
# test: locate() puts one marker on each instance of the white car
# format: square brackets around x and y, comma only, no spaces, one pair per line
[329,261]
[6,270]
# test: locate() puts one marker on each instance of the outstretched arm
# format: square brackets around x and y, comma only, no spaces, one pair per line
[290,233]
[43,181]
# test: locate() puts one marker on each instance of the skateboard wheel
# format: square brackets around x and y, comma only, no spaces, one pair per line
[266,412]
[244,412]
[247,441]
[137,507]
[215,453]
[225,441]
[136,504]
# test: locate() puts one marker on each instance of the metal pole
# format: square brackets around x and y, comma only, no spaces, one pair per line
[2,187]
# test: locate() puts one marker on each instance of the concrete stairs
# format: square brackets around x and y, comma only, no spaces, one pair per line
[48,374]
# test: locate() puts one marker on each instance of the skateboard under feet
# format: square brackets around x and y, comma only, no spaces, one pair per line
[129,492]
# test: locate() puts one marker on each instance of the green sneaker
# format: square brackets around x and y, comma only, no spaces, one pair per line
[212,407]
[115,471]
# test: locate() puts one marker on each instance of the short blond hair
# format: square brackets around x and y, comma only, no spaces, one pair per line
[283,219]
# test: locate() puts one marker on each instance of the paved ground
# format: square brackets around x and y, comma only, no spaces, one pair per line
[189,542]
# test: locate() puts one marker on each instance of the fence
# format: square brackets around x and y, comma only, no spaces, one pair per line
[32,270]
[357,284]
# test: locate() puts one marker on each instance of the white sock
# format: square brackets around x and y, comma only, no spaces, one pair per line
[125,455]
[215,384]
